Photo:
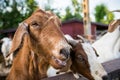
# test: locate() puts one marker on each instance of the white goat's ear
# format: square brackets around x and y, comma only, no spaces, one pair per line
[18,37]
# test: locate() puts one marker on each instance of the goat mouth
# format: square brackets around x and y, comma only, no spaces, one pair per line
[59,62]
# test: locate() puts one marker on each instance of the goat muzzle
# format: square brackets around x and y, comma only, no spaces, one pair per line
[64,53]
[64,57]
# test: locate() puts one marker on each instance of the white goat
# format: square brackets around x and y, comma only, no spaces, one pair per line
[6,45]
[108,46]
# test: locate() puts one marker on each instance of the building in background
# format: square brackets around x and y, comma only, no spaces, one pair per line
[72,27]
[75,27]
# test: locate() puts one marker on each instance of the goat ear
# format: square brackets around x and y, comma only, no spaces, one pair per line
[18,36]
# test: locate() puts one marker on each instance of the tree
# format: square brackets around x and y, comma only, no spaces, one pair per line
[102,14]
[12,12]
[48,7]
[68,15]
[75,13]
[77,7]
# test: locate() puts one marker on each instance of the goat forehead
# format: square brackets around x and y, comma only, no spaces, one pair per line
[90,54]
[38,15]
[35,18]
[95,66]
[44,14]
[88,49]
[44,19]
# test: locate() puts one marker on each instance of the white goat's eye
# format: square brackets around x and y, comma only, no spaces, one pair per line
[80,57]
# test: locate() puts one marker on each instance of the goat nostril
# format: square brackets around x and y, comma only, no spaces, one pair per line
[105,77]
[65,53]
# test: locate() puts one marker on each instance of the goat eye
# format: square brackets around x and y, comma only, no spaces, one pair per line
[34,24]
[80,57]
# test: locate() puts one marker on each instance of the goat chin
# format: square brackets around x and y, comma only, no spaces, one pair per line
[54,72]
[76,75]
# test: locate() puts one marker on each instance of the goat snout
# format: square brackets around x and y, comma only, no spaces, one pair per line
[65,53]
[105,77]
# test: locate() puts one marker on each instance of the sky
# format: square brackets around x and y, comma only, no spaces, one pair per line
[62,4]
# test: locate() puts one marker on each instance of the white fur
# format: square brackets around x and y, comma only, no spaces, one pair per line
[76,75]
[96,68]
[71,40]
[6,45]
[108,46]
[51,71]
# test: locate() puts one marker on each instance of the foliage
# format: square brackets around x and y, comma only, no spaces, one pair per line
[76,6]
[102,14]
[75,13]
[12,12]
[109,17]
[68,15]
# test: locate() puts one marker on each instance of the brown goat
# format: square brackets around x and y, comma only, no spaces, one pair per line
[38,43]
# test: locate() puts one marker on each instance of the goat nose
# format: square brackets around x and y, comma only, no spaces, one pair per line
[105,77]
[65,53]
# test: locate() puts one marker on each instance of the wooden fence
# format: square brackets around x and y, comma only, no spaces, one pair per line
[112,68]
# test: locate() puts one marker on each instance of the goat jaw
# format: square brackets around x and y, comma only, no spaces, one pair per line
[60,62]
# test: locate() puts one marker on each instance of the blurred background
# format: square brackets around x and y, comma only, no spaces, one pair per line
[88,18]
[12,12]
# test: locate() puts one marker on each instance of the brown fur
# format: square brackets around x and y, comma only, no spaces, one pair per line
[33,43]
